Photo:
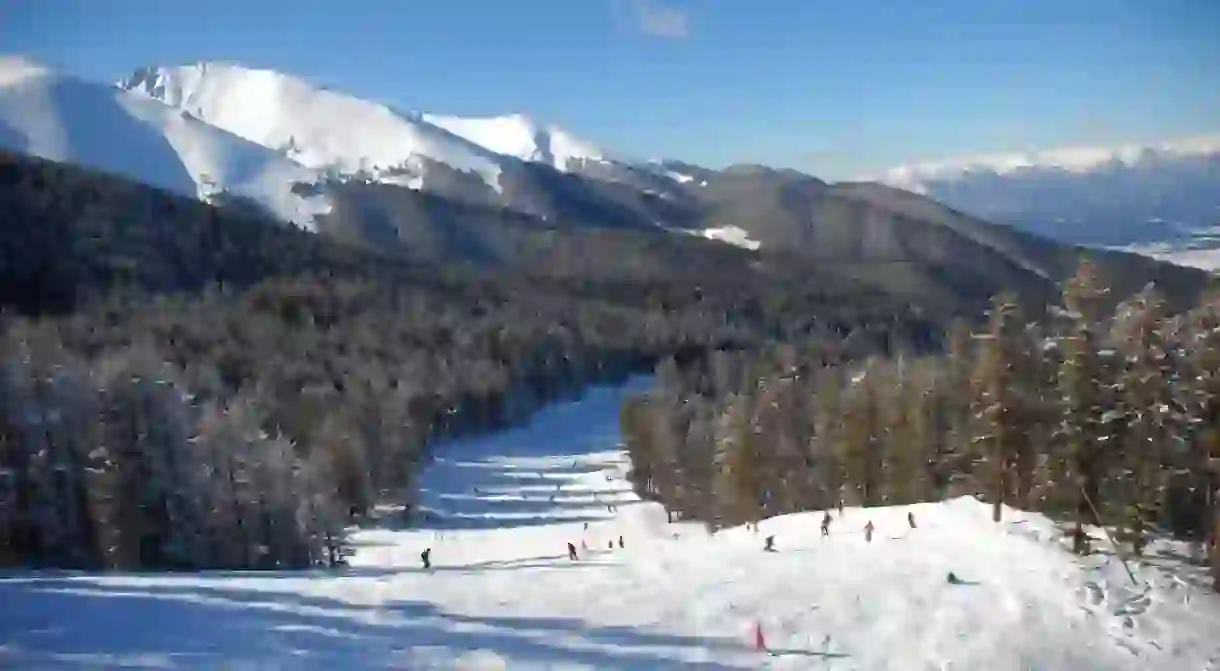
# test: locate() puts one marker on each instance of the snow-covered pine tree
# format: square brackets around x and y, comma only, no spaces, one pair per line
[1081,389]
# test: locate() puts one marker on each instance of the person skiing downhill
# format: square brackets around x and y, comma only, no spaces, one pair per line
[911,519]
[826,524]
[426,558]
[769,545]
[868,532]
[571,552]
[620,541]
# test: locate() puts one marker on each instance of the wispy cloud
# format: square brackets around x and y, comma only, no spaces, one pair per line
[659,19]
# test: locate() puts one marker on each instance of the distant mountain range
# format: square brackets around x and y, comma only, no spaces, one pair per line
[486,190]
[1134,194]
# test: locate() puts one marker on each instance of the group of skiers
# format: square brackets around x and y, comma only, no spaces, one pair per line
[585,546]
[769,542]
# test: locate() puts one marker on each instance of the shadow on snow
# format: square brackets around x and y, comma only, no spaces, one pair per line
[59,622]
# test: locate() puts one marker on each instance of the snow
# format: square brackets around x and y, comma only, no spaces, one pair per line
[1070,159]
[503,595]
[65,119]
[679,177]
[733,235]
[519,136]
[316,127]
[1204,258]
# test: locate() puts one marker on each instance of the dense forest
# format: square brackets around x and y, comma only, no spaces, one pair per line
[185,386]
[1100,417]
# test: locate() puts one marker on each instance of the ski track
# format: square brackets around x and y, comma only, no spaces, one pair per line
[503,595]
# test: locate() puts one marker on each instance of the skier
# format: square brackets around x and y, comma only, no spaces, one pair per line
[769,546]
[826,524]
[620,541]
[426,558]
[572,551]
[586,526]
[610,544]
[952,579]
[868,531]
[911,519]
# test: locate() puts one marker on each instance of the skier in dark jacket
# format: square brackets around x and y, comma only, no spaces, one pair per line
[426,558]
[868,531]
[769,546]
[571,552]
[826,524]
[911,519]
[620,541]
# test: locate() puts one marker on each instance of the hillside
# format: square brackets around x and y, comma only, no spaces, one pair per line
[488,191]
[502,594]
[55,116]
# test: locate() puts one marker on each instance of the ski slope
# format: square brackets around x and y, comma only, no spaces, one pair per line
[502,593]
[61,118]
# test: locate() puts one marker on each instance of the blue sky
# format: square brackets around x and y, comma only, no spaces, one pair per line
[836,88]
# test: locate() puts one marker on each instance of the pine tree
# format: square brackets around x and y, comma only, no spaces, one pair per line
[1081,389]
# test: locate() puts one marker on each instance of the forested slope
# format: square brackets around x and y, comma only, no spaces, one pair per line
[203,387]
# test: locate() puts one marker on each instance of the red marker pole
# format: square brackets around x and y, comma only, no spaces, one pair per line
[760,643]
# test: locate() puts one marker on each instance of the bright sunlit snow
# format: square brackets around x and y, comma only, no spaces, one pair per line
[65,119]
[519,136]
[503,595]
[314,126]
[733,235]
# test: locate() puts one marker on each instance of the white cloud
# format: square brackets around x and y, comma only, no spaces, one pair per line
[656,18]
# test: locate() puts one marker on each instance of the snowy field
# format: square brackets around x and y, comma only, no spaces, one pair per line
[503,594]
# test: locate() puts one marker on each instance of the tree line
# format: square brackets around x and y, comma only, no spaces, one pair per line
[1096,417]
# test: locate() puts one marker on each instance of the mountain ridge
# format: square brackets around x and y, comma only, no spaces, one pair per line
[1123,195]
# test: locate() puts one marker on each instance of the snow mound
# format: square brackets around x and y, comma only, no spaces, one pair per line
[505,595]
[65,119]
[317,127]
[519,136]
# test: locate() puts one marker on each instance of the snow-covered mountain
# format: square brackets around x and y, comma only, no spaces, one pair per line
[1111,195]
[58,117]
[350,137]
[519,136]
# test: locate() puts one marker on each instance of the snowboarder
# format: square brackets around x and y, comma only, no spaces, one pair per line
[620,541]
[868,532]
[572,551]
[769,545]
[426,558]
[911,519]
[826,524]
